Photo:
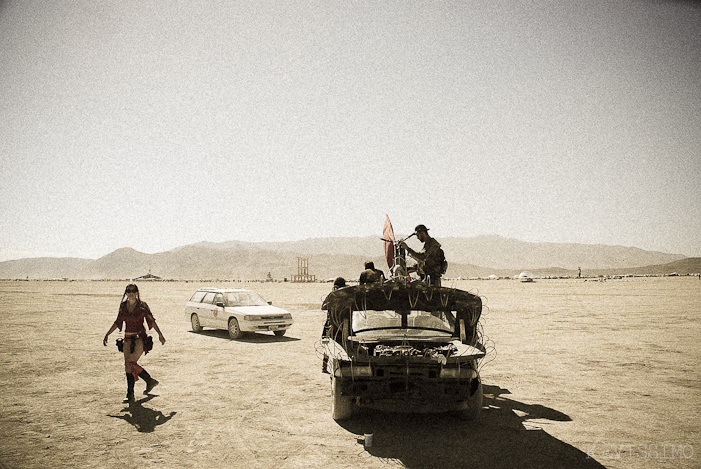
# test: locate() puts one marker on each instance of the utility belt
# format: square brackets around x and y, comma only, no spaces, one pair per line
[147,339]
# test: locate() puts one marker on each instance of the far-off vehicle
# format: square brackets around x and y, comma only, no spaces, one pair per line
[236,310]
[403,346]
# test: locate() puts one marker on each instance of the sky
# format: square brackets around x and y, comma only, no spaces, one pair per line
[154,125]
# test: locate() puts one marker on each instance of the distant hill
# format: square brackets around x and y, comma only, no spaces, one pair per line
[507,253]
[490,251]
[43,267]
[353,246]
[331,257]
[687,266]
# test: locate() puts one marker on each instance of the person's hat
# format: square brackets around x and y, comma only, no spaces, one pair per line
[420,228]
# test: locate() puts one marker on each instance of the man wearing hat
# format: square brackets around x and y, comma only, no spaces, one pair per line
[431,259]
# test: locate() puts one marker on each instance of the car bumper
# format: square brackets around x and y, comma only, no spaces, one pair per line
[256,326]
[408,388]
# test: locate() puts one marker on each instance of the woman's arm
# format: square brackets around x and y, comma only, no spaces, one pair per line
[151,322]
[112,329]
[160,334]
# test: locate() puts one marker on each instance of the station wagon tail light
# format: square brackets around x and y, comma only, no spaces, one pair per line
[362,370]
[455,372]
[251,317]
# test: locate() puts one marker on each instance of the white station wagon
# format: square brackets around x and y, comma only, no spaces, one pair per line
[237,311]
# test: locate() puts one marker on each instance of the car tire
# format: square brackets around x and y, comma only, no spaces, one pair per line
[234,329]
[280,333]
[195,321]
[341,406]
[473,405]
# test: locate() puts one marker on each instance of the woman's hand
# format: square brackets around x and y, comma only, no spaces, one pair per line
[112,329]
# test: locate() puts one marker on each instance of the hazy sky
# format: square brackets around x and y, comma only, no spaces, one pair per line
[155,124]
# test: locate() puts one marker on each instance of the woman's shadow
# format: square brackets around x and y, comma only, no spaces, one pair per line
[145,420]
[504,436]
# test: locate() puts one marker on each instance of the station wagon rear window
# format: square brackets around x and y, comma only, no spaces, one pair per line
[197,297]
[208,297]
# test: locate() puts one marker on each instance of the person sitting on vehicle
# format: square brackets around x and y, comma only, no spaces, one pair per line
[371,274]
[431,264]
[340,282]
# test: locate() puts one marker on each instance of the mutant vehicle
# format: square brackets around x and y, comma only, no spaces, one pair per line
[403,346]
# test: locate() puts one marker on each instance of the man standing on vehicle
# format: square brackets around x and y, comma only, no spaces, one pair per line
[431,260]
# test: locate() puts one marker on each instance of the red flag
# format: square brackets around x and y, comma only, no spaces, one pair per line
[388,234]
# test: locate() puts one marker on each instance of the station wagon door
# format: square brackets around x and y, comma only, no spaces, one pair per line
[219,317]
[206,311]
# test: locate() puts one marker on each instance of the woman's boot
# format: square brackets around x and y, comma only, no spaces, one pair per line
[150,382]
[130,390]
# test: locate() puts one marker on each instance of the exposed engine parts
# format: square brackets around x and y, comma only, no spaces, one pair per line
[411,351]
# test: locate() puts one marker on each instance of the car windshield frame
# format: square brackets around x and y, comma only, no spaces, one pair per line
[372,320]
[244,298]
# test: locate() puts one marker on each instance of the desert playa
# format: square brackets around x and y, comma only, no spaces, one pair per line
[579,374]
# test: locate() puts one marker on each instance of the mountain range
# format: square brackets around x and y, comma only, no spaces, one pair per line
[478,256]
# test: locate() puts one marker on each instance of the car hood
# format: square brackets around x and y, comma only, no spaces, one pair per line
[266,310]
[398,333]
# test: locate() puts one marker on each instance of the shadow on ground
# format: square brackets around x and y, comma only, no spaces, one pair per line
[502,437]
[144,419]
[247,336]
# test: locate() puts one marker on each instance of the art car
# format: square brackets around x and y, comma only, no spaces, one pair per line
[403,346]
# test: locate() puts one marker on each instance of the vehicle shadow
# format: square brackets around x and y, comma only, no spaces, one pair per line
[144,419]
[501,437]
[247,336]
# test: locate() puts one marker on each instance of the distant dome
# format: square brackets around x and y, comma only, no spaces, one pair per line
[526,276]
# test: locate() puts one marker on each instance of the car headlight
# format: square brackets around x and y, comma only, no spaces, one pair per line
[287,316]
[251,317]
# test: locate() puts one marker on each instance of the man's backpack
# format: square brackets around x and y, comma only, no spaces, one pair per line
[436,264]
[443,263]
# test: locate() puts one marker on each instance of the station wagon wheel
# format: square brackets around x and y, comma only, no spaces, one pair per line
[280,333]
[234,329]
[195,320]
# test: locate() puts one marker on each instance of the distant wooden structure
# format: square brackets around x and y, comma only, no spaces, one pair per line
[303,271]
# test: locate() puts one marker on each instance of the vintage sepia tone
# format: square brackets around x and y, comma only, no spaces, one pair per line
[579,374]
[545,152]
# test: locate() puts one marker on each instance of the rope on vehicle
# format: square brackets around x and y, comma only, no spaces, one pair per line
[445,298]
[388,298]
[415,301]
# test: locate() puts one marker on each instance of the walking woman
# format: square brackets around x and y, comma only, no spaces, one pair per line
[133,312]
